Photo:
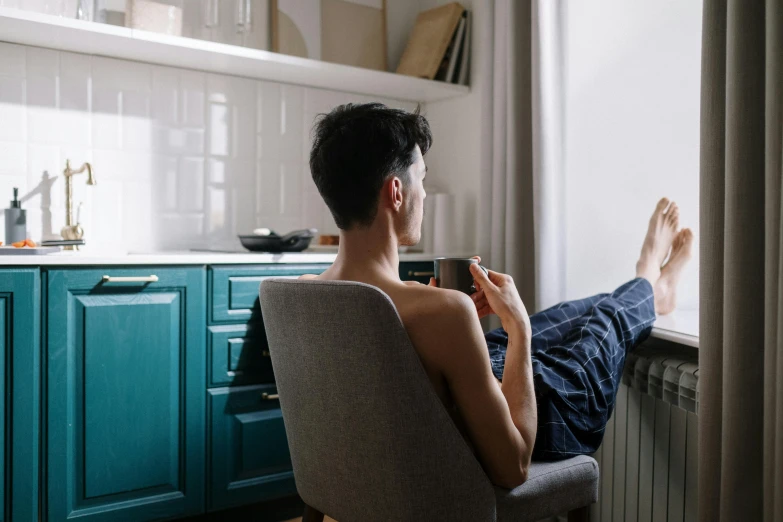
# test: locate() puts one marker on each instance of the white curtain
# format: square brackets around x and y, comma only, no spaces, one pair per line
[549,151]
[522,218]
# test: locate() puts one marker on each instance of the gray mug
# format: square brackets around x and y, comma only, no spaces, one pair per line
[454,273]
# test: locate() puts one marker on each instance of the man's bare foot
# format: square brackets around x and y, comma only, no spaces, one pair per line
[665,289]
[660,234]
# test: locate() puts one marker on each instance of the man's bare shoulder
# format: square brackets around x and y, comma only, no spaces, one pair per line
[432,305]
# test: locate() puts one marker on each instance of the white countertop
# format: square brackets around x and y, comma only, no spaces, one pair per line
[187,258]
[681,326]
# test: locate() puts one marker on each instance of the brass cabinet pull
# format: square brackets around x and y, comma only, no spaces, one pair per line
[270,396]
[265,353]
[411,273]
[142,279]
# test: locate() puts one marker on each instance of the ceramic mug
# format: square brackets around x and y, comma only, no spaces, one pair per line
[454,273]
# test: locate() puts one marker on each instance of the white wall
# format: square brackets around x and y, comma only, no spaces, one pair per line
[400,19]
[632,133]
[454,161]
[183,159]
[186,159]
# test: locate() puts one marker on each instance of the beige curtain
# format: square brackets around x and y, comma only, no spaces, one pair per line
[741,323]
[506,221]
[521,226]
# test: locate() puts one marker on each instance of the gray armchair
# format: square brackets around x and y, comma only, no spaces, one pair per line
[369,438]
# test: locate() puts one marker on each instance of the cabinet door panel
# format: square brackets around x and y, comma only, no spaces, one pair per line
[20,298]
[249,457]
[126,381]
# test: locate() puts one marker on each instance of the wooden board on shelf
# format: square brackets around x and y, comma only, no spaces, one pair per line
[296,28]
[353,33]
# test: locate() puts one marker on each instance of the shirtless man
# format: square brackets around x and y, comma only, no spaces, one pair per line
[540,386]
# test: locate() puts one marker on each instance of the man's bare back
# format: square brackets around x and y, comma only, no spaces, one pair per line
[427,313]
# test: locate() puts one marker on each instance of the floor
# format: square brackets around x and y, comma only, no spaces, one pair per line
[326,519]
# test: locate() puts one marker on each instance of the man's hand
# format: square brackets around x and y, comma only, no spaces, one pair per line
[483,308]
[497,294]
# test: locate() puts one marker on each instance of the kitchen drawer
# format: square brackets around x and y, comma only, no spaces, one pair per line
[234,295]
[249,459]
[238,355]
[420,271]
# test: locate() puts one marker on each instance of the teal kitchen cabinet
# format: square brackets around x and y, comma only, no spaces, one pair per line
[420,271]
[125,393]
[248,458]
[20,298]
[238,355]
[234,289]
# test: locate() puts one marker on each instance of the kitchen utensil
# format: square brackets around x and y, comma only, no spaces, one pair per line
[295,241]
[62,242]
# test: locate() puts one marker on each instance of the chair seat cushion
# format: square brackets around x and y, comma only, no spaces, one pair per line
[552,488]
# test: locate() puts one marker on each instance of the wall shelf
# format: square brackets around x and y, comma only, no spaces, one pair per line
[66,34]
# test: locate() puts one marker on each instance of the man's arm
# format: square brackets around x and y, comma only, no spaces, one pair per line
[501,422]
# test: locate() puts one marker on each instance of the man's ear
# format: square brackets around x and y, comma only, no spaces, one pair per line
[394,191]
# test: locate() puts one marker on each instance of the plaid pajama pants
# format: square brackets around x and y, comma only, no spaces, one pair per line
[578,352]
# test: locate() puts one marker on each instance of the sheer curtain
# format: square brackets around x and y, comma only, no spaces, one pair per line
[741,301]
[521,223]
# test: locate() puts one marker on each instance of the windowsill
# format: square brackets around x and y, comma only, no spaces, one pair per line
[680,326]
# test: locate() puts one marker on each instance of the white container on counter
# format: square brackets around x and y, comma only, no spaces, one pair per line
[153,16]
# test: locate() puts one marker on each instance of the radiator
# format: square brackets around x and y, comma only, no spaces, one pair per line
[648,458]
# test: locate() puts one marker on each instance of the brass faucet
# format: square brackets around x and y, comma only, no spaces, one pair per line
[71,230]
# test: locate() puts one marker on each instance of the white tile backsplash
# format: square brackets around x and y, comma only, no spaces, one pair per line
[13,62]
[183,159]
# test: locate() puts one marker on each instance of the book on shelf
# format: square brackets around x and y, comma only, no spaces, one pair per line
[464,60]
[449,64]
[432,36]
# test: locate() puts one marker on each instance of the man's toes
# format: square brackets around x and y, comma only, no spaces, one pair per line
[662,205]
[677,243]
[686,238]
[673,215]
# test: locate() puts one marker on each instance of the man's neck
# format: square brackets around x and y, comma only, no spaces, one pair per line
[368,252]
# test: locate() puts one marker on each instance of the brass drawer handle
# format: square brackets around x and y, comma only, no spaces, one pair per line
[270,396]
[411,273]
[265,353]
[142,279]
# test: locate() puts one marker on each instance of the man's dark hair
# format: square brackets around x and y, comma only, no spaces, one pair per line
[356,148]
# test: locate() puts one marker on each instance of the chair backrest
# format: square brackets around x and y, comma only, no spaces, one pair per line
[369,438]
